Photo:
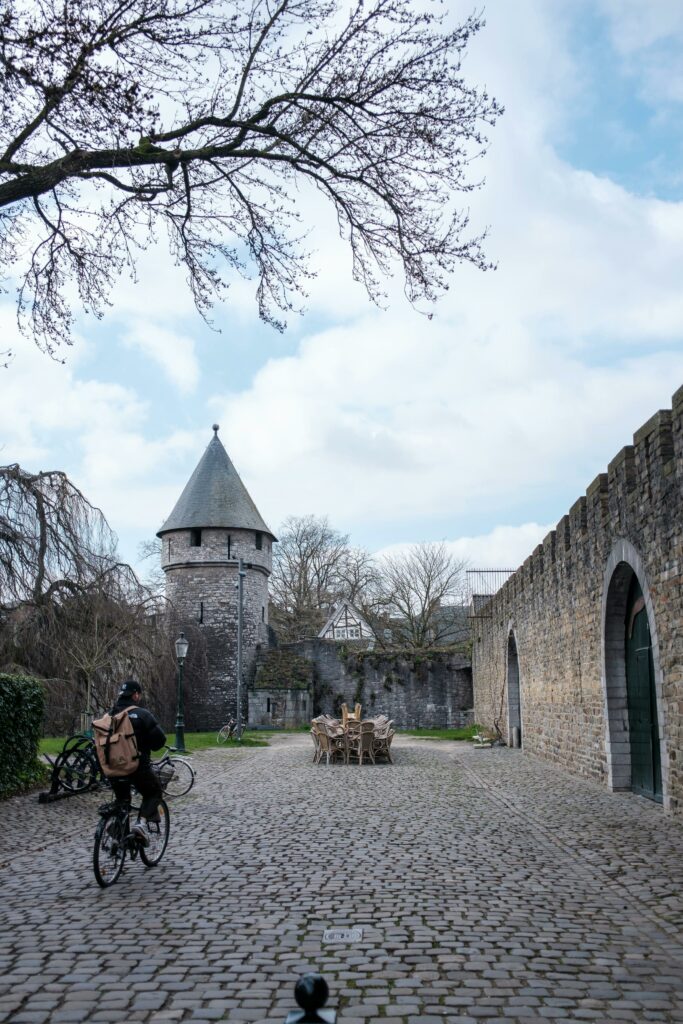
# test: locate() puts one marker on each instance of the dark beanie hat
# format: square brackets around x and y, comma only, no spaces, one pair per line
[130,687]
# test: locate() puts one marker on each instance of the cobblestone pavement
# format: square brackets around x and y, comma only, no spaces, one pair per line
[489,886]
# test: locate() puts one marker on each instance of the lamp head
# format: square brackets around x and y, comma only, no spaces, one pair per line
[181,646]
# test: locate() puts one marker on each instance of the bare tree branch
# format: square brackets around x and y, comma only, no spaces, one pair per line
[368,104]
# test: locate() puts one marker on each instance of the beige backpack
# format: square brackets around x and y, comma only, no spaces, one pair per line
[115,743]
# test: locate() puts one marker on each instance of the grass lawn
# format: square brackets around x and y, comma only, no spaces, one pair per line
[194,741]
[207,740]
[443,734]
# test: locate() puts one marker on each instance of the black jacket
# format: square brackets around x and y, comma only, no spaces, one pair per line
[148,733]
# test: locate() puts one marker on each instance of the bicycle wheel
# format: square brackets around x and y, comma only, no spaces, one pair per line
[78,769]
[109,852]
[158,840]
[182,779]
[224,734]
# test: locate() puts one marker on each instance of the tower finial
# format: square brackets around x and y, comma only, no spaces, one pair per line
[216,428]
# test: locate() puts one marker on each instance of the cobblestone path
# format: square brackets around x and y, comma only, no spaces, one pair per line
[489,886]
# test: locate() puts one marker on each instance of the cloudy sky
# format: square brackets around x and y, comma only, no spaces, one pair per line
[480,426]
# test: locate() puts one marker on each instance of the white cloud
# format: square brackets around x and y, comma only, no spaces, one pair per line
[504,547]
[172,351]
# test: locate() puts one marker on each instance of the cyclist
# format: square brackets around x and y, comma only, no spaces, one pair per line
[149,736]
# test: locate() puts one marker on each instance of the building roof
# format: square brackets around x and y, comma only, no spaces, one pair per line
[214,496]
[351,616]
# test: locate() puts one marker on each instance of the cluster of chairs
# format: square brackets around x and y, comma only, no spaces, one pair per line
[352,739]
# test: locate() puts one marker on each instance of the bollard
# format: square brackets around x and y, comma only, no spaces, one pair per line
[311,994]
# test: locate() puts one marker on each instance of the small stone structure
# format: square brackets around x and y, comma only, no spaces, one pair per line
[554,661]
[213,525]
[282,692]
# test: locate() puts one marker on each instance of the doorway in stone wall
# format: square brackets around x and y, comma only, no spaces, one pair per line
[646,765]
[635,749]
[514,702]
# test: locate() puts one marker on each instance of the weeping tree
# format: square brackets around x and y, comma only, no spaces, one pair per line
[206,121]
[70,611]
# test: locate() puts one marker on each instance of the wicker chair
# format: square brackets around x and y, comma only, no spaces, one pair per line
[361,742]
[333,745]
[317,753]
[382,744]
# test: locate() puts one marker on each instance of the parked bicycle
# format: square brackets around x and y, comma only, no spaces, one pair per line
[76,768]
[176,774]
[114,840]
[227,732]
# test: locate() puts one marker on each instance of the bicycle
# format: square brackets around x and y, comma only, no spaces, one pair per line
[114,841]
[227,732]
[76,769]
[176,775]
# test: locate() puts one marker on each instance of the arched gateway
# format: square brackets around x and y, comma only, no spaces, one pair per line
[631,678]
[514,700]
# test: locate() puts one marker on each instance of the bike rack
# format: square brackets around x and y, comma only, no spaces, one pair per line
[74,747]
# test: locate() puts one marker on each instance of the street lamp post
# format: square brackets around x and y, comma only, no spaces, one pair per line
[240,601]
[181,646]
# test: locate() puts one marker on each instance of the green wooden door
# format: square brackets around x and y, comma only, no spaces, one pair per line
[646,768]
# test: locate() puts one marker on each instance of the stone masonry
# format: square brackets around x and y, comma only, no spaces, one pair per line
[201,585]
[556,629]
[417,689]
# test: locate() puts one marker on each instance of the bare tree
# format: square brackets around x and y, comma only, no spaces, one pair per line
[314,568]
[149,552]
[424,597]
[202,118]
[305,577]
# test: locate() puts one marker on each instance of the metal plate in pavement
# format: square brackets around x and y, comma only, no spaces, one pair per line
[342,935]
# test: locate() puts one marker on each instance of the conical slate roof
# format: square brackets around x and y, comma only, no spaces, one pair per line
[214,496]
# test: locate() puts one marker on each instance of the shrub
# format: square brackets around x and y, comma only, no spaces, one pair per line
[21,715]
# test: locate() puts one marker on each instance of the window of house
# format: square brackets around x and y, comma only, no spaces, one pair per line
[339,633]
[258,538]
[353,633]
[195,538]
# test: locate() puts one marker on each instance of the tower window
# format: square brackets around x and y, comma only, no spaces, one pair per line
[258,538]
[201,611]
[263,613]
[169,550]
[229,544]
[195,538]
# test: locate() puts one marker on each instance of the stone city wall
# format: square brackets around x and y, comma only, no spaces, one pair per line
[415,689]
[565,621]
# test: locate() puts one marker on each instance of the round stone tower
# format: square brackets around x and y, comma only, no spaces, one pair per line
[213,526]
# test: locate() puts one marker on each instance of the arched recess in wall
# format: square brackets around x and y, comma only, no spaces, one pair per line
[635,739]
[513,692]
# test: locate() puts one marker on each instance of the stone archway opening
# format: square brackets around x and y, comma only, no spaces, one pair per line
[514,700]
[633,728]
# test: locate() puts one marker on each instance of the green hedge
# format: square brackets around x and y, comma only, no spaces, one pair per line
[21,717]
